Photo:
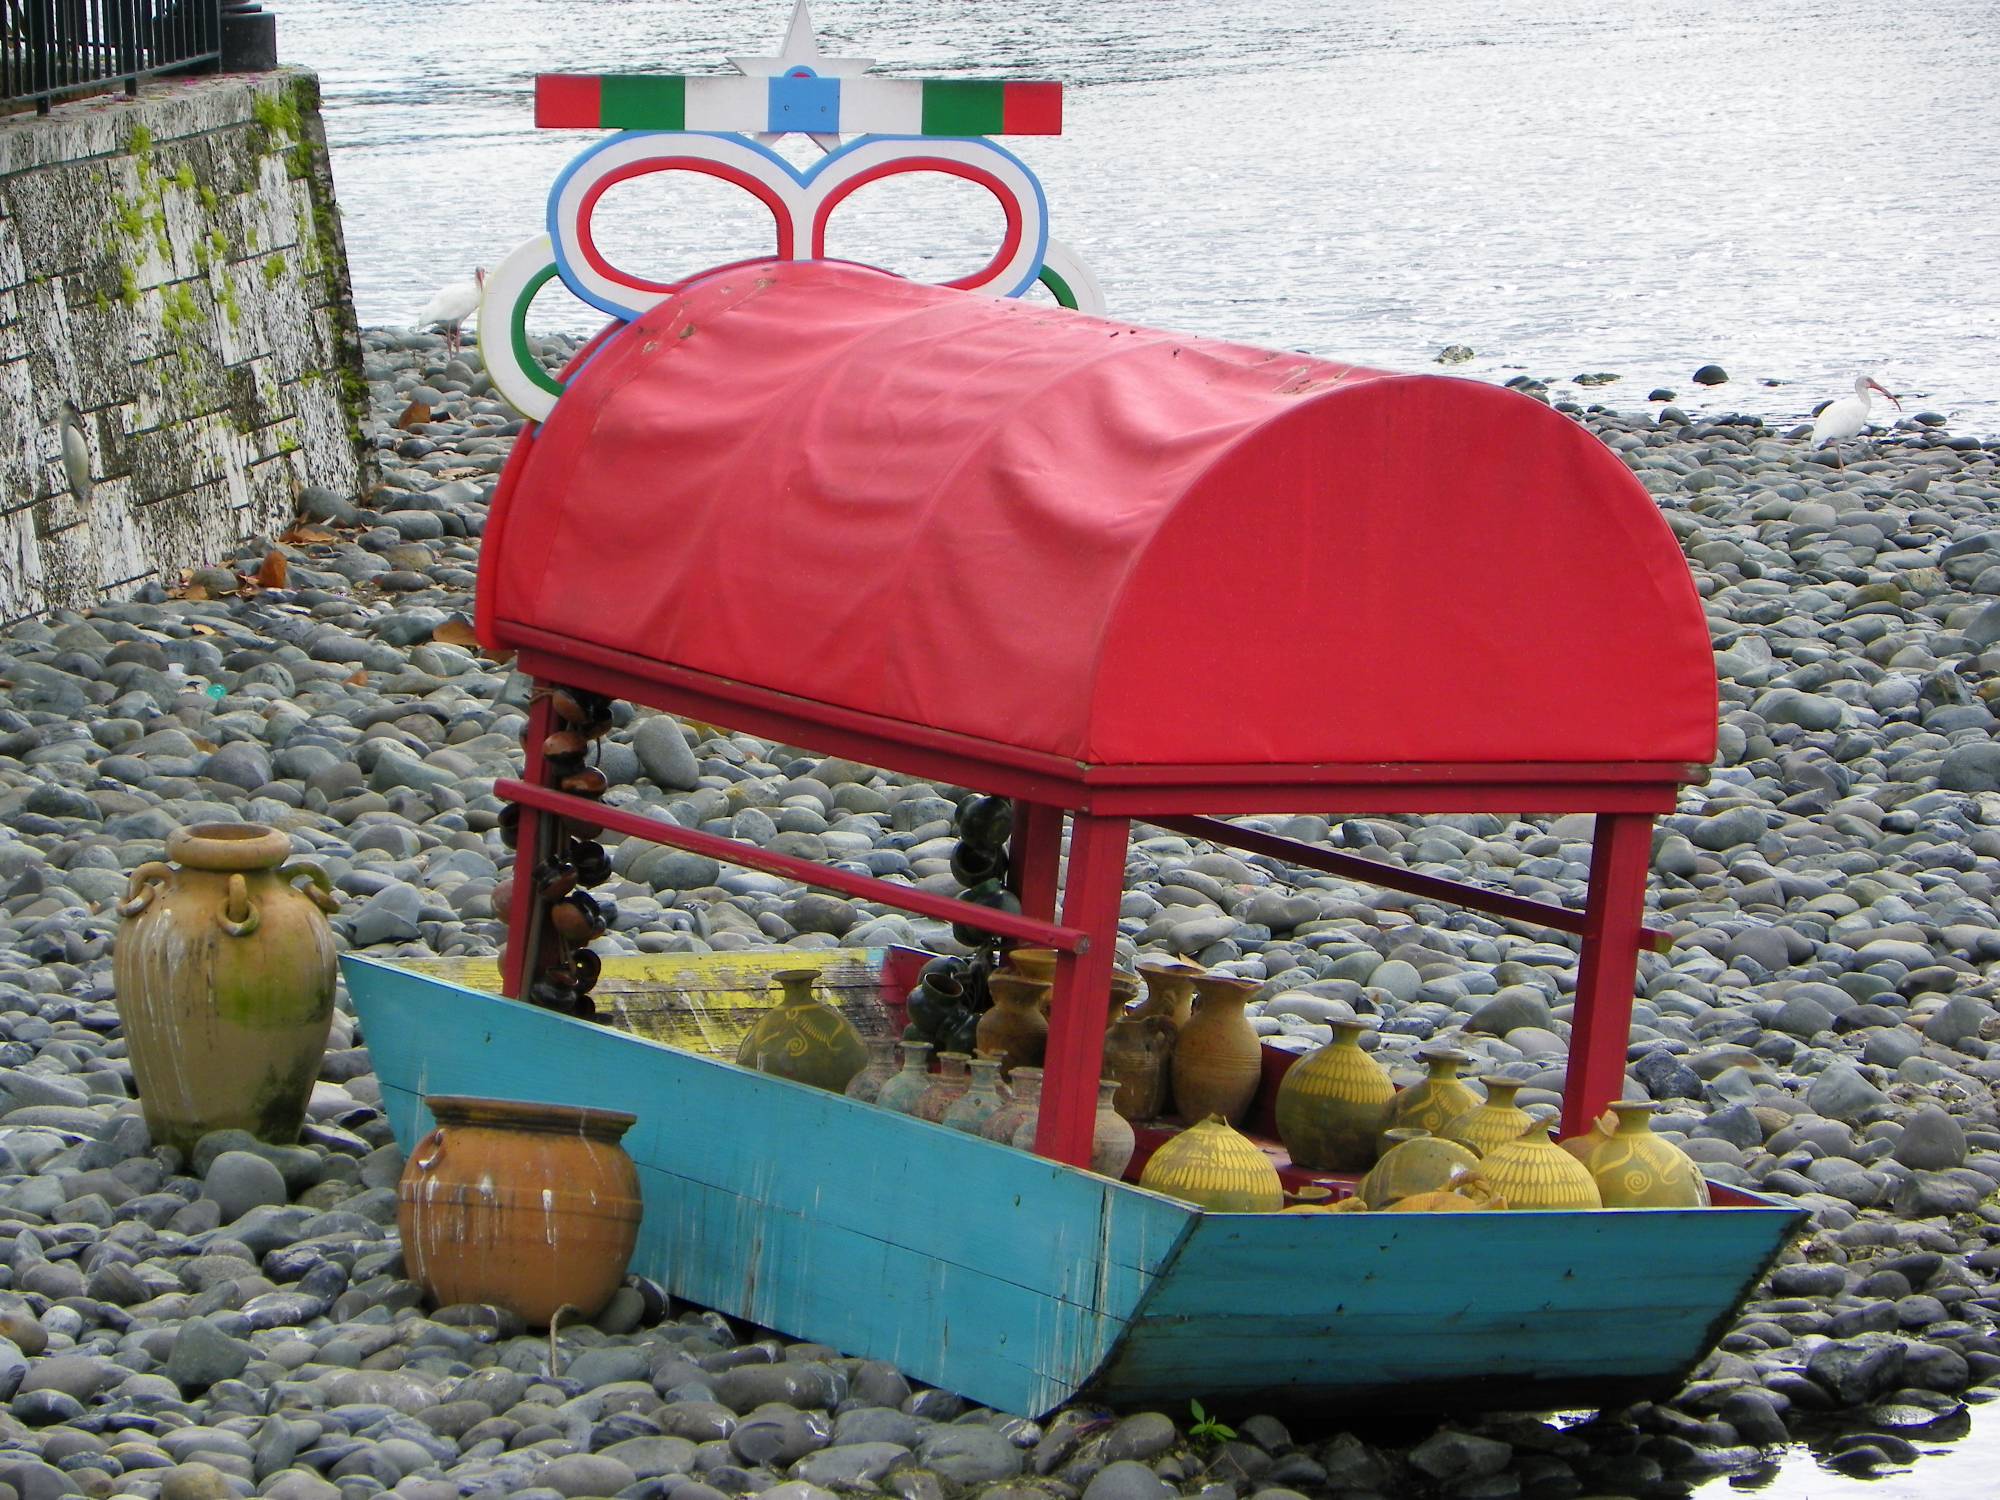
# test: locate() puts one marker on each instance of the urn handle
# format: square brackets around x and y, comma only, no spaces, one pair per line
[238,916]
[146,883]
[429,1149]
[320,888]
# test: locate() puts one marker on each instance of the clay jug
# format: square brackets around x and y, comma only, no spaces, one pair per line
[1434,1103]
[529,1207]
[867,1084]
[224,969]
[952,1080]
[1031,963]
[981,1100]
[802,1038]
[1024,1106]
[1332,1104]
[1634,1168]
[1217,1168]
[1015,1028]
[1170,990]
[1494,1123]
[1218,1060]
[1138,1050]
[1415,1162]
[1533,1172]
[902,1092]
[1111,1140]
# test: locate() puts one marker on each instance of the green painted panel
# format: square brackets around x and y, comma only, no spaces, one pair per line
[637,101]
[964,107]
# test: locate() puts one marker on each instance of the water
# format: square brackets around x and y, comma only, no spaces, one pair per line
[1798,190]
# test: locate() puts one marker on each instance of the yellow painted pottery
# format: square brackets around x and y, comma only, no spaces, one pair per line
[1218,1059]
[1170,990]
[1015,1028]
[1416,1162]
[1333,1103]
[1532,1171]
[1493,1123]
[224,969]
[1032,963]
[802,1038]
[1634,1168]
[1216,1168]
[1438,1100]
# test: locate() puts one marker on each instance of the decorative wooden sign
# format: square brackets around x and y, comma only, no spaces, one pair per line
[723,126]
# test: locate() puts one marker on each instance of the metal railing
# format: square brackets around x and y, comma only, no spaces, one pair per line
[49,48]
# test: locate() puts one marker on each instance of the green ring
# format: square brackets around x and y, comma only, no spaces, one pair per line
[1063,295]
[518,328]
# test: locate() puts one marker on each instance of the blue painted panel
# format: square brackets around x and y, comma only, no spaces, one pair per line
[804,104]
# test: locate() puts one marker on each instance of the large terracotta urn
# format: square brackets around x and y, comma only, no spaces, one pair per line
[224,968]
[531,1207]
[1218,1060]
[1015,1028]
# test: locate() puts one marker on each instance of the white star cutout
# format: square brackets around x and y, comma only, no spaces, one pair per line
[800,49]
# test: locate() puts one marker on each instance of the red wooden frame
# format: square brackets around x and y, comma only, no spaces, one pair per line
[1101,802]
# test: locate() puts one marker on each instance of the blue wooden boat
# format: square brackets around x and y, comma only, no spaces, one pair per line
[1022,1282]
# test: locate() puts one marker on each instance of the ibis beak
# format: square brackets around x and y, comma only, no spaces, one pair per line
[1877,385]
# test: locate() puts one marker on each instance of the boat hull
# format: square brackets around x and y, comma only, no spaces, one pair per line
[1022,1283]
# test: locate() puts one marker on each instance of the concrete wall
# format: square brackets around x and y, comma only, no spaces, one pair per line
[173,265]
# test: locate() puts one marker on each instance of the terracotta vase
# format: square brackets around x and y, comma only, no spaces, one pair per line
[1138,1051]
[1170,990]
[981,1100]
[1633,1168]
[1434,1103]
[1217,1168]
[1494,1123]
[804,1039]
[1015,1028]
[867,1084]
[1024,1106]
[1031,963]
[1414,1162]
[1533,1172]
[530,1207]
[953,1079]
[1111,1140]
[1332,1104]
[1218,1060]
[902,1092]
[224,970]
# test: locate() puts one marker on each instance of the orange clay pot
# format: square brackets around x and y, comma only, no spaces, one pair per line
[530,1207]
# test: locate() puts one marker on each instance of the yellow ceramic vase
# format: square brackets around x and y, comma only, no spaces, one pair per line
[1437,1101]
[1634,1168]
[1216,1168]
[1333,1103]
[1415,1162]
[802,1039]
[1015,1028]
[1170,990]
[1218,1059]
[1531,1171]
[1493,1123]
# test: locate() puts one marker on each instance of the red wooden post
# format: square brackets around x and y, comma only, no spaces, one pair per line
[1034,857]
[1621,853]
[1082,995]
[524,916]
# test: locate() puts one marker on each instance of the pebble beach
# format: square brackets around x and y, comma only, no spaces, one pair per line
[1823,1027]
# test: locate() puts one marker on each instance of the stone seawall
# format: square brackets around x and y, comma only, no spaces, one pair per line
[172,265]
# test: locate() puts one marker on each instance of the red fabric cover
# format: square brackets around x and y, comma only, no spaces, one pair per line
[1110,543]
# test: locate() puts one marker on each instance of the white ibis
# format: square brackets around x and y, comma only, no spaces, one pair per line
[452,306]
[1846,417]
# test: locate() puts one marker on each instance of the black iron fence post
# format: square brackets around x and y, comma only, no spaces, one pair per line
[49,48]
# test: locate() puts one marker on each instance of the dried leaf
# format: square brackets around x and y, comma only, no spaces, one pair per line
[359,679]
[455,632]
[196,592]
[306,536]
[200,629]
[414,415]
[272,574]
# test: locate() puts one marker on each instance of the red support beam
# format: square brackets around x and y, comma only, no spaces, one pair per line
[1065,939]
[524,915]
[1600,1027]
[1391,878]
[1034,857]
[1082,996]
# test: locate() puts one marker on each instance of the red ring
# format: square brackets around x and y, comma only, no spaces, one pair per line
[587,243]
[1010,205]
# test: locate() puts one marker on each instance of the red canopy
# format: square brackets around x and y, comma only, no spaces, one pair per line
[1115,545]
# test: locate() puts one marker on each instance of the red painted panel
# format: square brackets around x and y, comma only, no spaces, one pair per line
[567,100]
[1031,109]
